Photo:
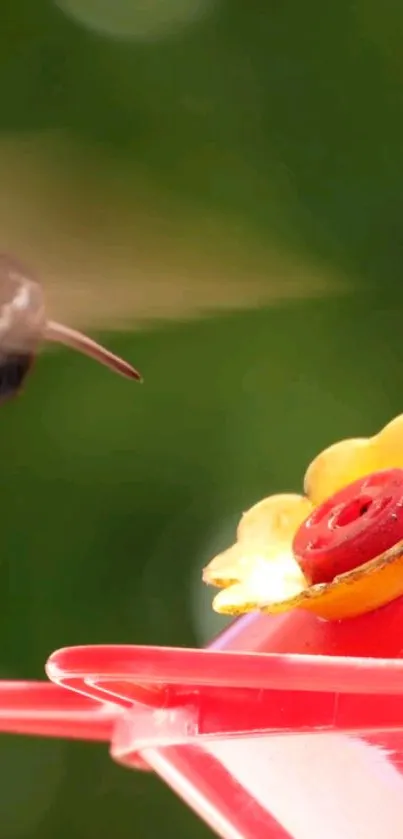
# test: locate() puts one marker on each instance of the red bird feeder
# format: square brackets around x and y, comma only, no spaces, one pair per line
[290,725]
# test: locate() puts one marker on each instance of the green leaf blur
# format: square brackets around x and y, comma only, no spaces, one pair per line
[230,198]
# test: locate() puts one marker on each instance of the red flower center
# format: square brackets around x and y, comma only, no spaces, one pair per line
[358,523]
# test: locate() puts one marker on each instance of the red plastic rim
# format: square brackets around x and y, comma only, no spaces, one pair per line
[357,524]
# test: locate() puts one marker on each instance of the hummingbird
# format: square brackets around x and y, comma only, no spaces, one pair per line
[24,326]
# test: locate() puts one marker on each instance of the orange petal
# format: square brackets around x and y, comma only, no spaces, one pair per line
[363,590]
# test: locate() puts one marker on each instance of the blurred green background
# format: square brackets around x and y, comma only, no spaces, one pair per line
[215,189]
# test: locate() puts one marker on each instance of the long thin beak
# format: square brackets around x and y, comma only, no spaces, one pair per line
[61,334]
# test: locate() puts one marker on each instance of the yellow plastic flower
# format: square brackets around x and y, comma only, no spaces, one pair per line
[259,572]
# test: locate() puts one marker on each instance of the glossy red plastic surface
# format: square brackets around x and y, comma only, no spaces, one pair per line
[358,523]
[49,710]
[321,781]
[302,738]
[287,726]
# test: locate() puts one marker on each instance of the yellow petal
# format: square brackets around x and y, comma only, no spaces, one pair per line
[265,531]
[227,568]
[267,582]
[337,466]
[389,444]
[274,520]
[349,460]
